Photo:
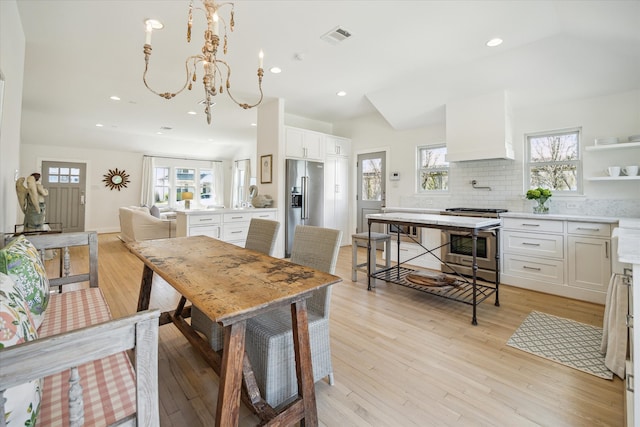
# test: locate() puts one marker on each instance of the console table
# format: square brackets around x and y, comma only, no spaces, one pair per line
[465,290]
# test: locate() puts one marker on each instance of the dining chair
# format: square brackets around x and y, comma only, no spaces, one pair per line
[269,342]
[261,237]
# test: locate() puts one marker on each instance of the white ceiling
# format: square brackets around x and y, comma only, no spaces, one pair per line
[405,59]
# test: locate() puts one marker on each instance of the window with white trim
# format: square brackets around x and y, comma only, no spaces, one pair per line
[553,161]
[433,169]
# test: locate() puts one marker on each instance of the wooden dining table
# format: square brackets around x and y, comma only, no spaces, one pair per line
[231,285]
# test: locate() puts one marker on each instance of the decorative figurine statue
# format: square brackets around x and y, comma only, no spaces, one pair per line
[31,200]
[259,201]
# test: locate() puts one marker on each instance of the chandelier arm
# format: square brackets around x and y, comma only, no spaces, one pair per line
[243,105]
[168,95]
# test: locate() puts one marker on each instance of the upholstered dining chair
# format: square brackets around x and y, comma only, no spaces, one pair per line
[269,342]
[261,237]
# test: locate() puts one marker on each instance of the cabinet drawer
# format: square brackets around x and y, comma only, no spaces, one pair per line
[546,270]
[536,244]
[589,229]
[235,232]
[534,224]
[265,215]
[237,217]
[208,230]
[204,219]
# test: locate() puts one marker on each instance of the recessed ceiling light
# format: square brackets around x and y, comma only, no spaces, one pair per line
[158,133]
[210,139]
[155,24]
[114,98]
[275,70]
[341,93]
[494,42]
[254,124]
[99,125]
[193,113]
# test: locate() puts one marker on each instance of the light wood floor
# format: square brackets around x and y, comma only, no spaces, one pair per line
[401,358]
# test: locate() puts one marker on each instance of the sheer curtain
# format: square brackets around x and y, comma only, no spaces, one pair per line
[146,195]
[241,181]
[217,170]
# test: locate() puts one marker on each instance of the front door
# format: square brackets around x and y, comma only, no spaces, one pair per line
[66,183]
[371,188]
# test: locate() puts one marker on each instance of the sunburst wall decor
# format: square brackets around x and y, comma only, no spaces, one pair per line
[116,179]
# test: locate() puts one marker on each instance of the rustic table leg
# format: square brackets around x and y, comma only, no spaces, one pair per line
[228,410]
[145,289]
[304,368]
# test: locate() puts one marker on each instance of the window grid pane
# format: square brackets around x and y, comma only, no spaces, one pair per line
[554,161]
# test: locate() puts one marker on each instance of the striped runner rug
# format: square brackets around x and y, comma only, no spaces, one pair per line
[561,340]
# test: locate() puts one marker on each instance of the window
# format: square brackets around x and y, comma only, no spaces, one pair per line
[167,183]
[372,179]
[185,181]
[161,186]
[553,161]
[433,170]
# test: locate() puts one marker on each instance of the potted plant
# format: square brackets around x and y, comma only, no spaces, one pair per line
[541,195]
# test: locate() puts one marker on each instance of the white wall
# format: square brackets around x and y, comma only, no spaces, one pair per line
[12,51]
[102,203]
[611,115]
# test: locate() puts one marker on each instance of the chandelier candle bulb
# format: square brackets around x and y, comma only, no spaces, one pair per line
[261,58]
[215,24]
[148,33]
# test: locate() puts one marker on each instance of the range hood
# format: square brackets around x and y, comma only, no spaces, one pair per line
[479,128]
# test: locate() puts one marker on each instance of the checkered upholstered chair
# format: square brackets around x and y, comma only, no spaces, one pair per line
[261,237]
[269,342]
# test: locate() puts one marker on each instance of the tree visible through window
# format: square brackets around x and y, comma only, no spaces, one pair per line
[372,179]
[554,160]
[433,169]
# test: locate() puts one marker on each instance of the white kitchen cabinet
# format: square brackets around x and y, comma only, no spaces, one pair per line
[335,145]
[562,257]
[589,255]
[415,254]
[336,195]
[229,225]
[304,144]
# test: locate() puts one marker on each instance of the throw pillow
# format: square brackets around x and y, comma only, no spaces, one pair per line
[22,403]
[155,211]
[21,261]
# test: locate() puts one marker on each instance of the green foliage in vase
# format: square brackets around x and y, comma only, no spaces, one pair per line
[540,194]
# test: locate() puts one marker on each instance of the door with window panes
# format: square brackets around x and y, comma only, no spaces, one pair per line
[66,183]
[371,188]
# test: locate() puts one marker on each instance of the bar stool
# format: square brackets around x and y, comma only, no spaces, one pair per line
[375,238]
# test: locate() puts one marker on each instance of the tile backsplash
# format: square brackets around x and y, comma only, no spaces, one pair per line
[505,178]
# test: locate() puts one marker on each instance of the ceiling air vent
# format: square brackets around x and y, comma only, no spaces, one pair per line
[336,35]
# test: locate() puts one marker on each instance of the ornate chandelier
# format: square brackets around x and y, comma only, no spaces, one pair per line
[216,72]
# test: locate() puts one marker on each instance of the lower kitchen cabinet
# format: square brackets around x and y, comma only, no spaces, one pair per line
[229,225]
[568,258]
[589,263]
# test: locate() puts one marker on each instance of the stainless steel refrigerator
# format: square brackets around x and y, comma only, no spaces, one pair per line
[305,197]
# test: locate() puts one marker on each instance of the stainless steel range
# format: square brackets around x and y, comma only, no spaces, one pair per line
[457,246]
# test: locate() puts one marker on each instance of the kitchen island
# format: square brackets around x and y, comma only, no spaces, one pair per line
[463,289]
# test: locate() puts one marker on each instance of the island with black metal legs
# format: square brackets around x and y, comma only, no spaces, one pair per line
[454,286]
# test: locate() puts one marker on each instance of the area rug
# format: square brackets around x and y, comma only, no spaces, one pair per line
[564,341]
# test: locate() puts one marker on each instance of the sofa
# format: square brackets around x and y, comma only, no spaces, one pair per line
[63,358]
[138,224]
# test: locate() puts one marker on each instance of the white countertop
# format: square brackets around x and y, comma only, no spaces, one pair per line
[560,217]
[437,220]
[222,210]
[628,234]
